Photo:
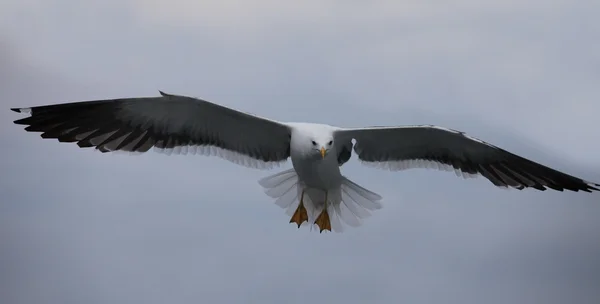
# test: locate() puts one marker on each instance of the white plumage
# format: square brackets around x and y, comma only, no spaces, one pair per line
[314,191]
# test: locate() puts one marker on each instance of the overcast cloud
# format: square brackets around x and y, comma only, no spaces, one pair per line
[78,226]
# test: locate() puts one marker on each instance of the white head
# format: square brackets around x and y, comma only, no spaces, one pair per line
[313,140]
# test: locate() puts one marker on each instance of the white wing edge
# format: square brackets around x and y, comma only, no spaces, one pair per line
[416,164]
[209,151]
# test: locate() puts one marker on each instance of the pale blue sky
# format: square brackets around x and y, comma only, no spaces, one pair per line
[77,226]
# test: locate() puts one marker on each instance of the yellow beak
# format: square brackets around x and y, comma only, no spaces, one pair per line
[323,152]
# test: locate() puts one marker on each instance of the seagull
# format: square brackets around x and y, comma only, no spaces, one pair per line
[313,191]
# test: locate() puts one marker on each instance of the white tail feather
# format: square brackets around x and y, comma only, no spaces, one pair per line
[350,203]
[275,179]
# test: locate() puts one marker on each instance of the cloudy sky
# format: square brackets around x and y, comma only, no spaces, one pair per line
[78,226]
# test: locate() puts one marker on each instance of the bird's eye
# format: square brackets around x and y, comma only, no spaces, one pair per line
[330,142]
[314,143]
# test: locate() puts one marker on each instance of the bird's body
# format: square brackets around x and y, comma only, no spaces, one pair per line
[313,169]
[318,182]
[314,190]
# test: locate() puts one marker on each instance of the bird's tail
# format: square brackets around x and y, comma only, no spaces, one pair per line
[283,187]
[350,203]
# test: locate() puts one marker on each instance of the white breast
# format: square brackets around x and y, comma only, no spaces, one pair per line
[318,173]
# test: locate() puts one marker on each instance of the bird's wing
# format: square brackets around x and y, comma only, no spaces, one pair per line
[168,122]
[399,148]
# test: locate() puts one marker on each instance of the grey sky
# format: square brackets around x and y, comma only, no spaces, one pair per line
[83,227]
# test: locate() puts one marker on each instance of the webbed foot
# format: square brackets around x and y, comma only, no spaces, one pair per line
[300,216]
[323,221]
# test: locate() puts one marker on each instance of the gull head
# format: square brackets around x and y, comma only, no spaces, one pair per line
[313,140]
[322,146]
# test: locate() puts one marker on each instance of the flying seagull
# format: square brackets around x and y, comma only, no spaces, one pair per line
[314,191]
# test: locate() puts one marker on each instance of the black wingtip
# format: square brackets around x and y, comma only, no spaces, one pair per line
[16,110]
[164,94]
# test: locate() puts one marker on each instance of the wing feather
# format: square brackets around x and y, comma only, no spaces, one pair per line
[400,148]
[171,123]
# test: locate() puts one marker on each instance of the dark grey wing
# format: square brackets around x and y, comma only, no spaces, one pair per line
[169,122]
[344,151]
[399,148]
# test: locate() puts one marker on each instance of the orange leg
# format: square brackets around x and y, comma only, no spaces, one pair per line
[300,215]
[323,220]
